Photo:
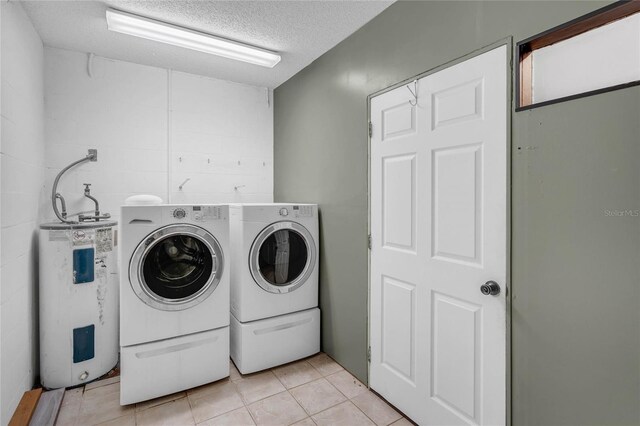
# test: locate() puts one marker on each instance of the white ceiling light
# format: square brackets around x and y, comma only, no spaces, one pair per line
[150,29]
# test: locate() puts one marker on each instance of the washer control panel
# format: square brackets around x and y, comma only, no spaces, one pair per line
[284,211]
[179,213]
[196,213]
[207,213]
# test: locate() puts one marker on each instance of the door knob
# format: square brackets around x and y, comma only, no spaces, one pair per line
[490,288]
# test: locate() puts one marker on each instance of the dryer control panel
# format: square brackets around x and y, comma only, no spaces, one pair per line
[302,211]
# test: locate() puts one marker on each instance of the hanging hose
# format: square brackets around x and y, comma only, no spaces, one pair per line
[92,155]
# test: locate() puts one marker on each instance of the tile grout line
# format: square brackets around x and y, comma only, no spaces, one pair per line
[336,388]
[235,388]
[302,384]
[186,395]
[80,407]
[365,414]
[273,371]
[330,384]
[334,406]
[298,402]
[246,407]
[190,410]
[385,402]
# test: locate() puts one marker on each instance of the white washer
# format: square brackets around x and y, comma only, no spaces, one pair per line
[174,299]
[274,284]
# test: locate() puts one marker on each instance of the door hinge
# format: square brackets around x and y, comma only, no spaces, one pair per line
[370,129]
[369,241]
[369,354]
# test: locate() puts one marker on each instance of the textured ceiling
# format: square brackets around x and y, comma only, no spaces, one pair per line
[300,31]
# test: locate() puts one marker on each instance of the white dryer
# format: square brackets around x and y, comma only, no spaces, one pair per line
[174,299]
[274,284]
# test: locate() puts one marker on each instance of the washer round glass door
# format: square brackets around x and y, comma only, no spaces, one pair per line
[176,267]
[282,257]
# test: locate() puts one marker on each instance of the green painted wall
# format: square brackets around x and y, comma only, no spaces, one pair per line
[575,270]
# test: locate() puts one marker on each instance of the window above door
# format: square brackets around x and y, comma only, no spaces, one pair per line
[592,54]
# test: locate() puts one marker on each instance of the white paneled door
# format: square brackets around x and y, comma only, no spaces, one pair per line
[438,236]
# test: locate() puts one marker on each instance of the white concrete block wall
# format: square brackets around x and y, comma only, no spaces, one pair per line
[21,187]
[153,129]
[122,111]
[221,138]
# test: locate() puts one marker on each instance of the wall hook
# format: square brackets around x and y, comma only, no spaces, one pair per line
[90,65]
[182,184]
[414,92]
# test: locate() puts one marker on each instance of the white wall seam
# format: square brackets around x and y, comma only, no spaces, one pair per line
[169,150]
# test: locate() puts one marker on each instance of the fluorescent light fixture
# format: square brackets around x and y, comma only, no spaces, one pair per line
[150,29]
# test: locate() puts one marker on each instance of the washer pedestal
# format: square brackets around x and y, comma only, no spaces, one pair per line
[161,368]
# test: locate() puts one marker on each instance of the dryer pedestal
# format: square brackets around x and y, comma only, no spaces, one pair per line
[266,343]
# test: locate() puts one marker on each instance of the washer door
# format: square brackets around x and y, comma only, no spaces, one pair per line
[176,267]
[282,257]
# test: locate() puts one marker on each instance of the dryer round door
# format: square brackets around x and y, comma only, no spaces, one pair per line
[176,267]
[282,257]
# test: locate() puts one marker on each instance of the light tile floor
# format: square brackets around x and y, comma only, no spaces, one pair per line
[313,391]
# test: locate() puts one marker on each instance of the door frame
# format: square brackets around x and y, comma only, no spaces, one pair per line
[508,41]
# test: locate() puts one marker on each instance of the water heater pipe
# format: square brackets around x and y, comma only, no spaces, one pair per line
[92,155]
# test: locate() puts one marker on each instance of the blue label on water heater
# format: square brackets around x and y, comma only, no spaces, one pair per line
[83,265]
[84,343]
